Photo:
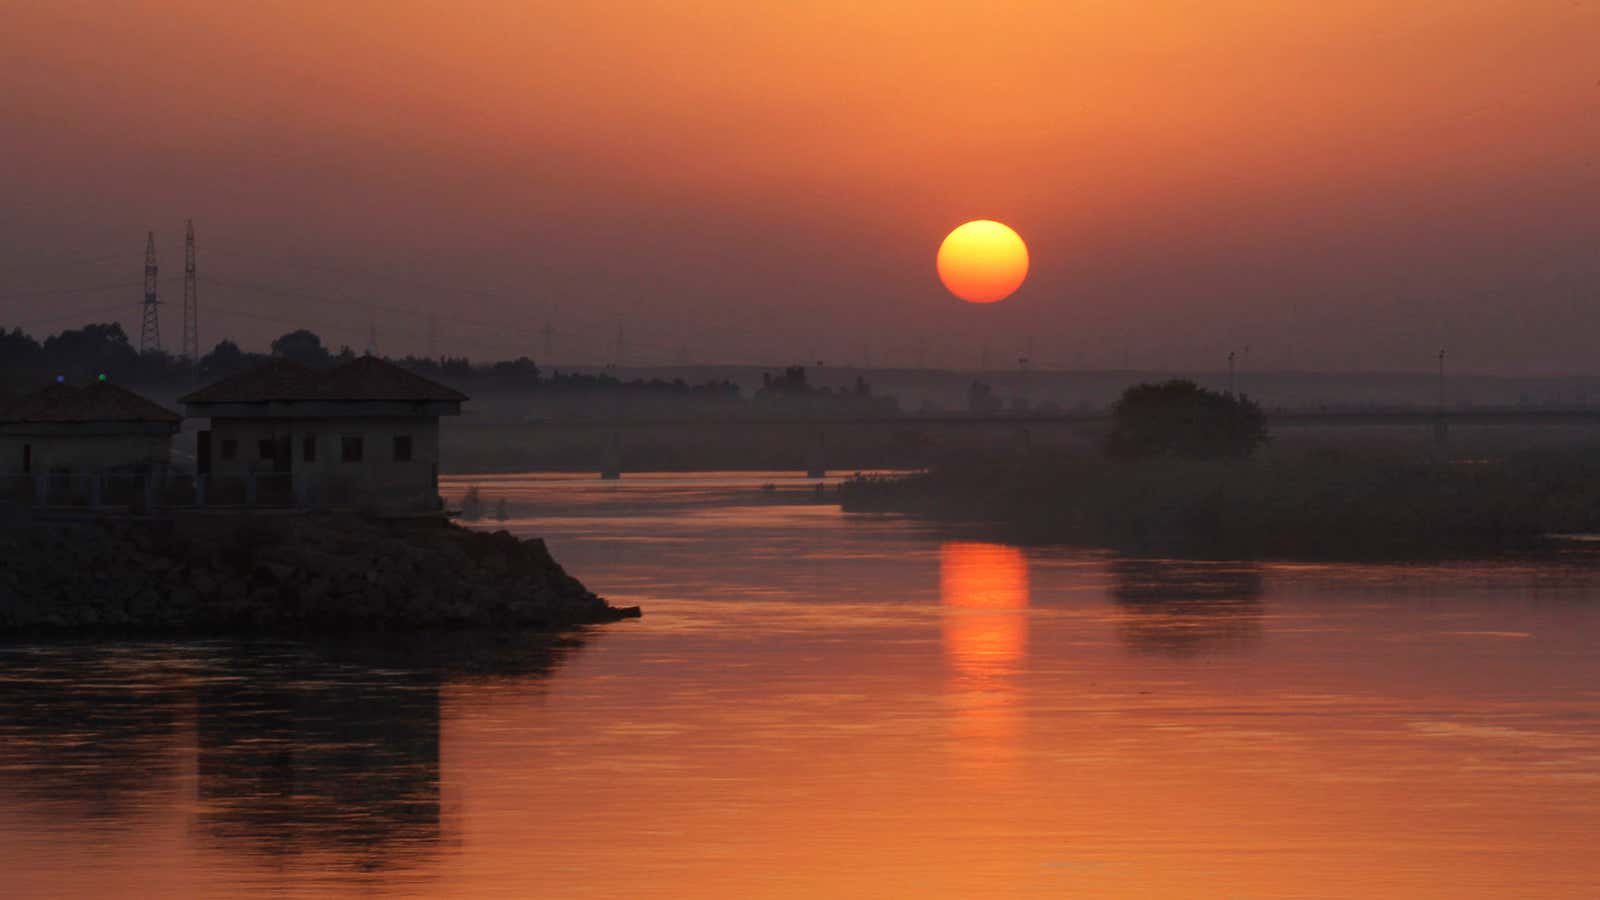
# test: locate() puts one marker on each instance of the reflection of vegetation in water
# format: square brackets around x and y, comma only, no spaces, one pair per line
[1184,608]
[91,730]
[301,747]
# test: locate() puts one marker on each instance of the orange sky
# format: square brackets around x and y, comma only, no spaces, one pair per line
[1337,185]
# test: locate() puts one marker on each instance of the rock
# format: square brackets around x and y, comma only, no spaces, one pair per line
[204,584]
[301,573]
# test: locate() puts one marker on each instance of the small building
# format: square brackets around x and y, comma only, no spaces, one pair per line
[363,434]
[100,427]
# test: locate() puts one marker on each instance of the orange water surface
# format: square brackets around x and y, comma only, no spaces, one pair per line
[822,704]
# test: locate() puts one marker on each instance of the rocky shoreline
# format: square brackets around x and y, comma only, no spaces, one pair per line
[288,574]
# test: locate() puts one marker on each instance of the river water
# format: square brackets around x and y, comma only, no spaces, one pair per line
[822,704]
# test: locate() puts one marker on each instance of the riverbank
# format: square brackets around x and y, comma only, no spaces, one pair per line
[286,574]
[1316,505]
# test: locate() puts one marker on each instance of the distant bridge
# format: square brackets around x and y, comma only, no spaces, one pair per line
[1467,416]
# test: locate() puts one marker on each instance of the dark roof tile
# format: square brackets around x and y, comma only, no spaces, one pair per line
[364,378]
[97,402]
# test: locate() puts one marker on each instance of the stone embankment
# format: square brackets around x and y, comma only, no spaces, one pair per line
[288,574]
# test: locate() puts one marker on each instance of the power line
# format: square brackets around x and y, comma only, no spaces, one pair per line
[597,333]
[30,323]
[77,262]
[62,292]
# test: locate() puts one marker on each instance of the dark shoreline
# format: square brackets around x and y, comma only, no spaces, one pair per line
[1327,506]
[283,576]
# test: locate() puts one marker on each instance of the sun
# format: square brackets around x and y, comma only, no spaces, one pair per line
[983,261]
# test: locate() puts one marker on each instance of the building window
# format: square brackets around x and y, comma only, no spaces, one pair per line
[402,448]
[308,448]
[264,448]
[230,449]
[350,449]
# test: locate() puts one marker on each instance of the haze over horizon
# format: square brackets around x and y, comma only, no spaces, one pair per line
[1336,187]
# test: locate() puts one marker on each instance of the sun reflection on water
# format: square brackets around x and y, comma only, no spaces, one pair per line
[983,589]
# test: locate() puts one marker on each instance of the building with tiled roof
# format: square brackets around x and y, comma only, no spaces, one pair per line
[364,433]
[363,379]
[85,429]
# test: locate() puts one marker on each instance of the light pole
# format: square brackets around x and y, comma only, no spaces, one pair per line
[1441,381]
[1230,373]
[1439,426]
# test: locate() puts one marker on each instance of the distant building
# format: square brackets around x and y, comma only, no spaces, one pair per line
[96,428]
[364,434]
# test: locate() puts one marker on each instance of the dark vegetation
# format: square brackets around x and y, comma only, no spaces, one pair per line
[1183,420]
[792,394]
[1177,477]
[80,355]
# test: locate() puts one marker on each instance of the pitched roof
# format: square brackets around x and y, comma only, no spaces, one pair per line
[363,378]
[96,402]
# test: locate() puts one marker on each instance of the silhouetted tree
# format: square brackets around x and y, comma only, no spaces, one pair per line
[1180,418]
[18,349]
[93,349]
[981,400]
[521,370]
[792,393]
[302,346]
[224,360]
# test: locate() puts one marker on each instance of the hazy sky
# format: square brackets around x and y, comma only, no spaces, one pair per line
[1334,185]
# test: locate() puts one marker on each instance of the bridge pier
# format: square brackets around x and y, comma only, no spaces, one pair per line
[1024,440]
[611,458]
[816,456]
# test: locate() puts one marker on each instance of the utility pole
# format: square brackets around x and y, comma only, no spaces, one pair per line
[617,356]
[1441,381]
[150,328]
[1441,431]
[191,299]
[1230,373]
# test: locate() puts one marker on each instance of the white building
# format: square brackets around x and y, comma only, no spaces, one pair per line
[65,429]
[363,434]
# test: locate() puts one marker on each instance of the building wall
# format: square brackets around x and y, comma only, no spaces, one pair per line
[377,480]
[83,453]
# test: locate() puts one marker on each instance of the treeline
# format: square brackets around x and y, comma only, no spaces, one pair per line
[1176,475]
[792,394]
[81,354]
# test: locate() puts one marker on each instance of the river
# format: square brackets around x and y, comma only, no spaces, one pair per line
[822,704]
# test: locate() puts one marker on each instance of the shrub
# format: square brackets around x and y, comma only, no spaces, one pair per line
[1181,419]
